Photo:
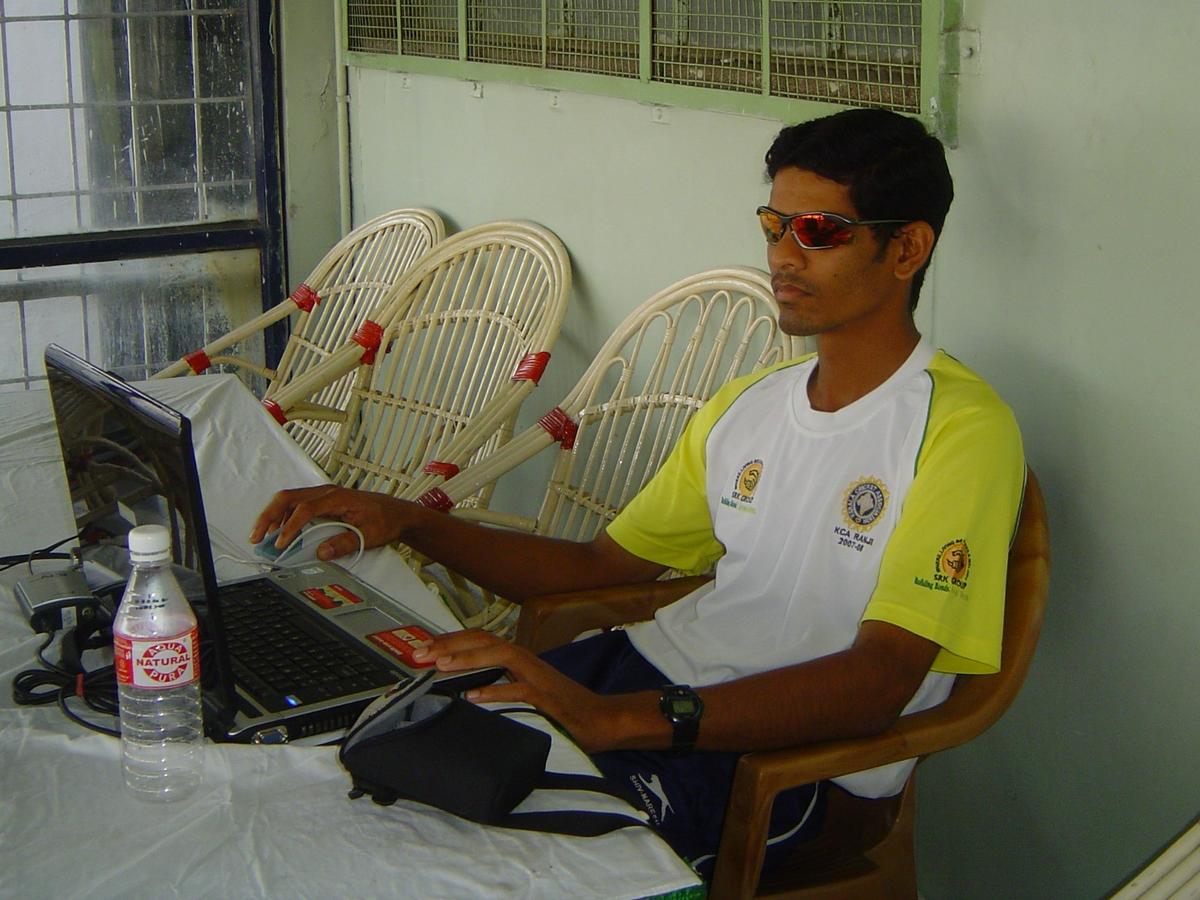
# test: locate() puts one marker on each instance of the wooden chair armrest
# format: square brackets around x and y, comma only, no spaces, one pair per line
[762,774]
[555,619]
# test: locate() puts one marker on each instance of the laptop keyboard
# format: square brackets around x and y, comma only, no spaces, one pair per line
[285,659]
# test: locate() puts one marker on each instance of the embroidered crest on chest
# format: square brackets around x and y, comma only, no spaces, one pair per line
[863,505]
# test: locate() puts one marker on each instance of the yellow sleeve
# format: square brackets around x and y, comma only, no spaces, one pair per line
[943,572]
[669,521]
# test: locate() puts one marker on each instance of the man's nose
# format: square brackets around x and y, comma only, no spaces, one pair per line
[786,252]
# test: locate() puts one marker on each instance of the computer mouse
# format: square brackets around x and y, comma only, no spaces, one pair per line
[303,548]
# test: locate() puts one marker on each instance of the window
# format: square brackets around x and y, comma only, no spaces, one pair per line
[138,200]
[782,58]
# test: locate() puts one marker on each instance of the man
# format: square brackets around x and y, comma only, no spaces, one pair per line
[857,504]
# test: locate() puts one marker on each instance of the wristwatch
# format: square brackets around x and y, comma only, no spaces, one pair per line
[682,707]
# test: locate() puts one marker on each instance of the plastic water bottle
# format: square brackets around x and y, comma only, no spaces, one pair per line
[156,651]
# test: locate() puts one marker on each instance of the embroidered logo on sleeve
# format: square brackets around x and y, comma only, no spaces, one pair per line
[741,497]
[951,568]
[954,562]
[863,504]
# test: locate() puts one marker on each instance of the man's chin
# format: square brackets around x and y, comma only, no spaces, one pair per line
[794,326]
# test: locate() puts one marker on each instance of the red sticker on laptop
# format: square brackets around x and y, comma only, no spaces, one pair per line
[331,596]
[401,642]
[322,598]
[345,593]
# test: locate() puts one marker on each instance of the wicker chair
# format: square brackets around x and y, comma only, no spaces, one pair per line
[344,288]
[619,422]
[865,848]
[461,342]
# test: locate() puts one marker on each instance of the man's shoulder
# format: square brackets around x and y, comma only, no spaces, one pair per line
[965,410]
[956,387]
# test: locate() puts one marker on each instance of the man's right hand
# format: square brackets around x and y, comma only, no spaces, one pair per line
[379,517]
[512,564]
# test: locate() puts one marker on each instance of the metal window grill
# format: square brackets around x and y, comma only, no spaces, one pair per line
[861,53]
[708,43]
[857,53]
[505,31]
[598,36]
[371,26]
[429,28]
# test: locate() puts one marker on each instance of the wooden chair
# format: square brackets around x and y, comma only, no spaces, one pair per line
[866,846]
[462,341]
[617,425]
[342,291]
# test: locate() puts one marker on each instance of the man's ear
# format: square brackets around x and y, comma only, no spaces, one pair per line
[915,241]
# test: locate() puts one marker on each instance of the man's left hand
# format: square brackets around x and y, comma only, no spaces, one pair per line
[590,718]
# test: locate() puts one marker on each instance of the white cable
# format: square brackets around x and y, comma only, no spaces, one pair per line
[362,541]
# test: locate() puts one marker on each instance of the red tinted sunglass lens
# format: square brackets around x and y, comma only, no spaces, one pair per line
[772,226]
[820,231]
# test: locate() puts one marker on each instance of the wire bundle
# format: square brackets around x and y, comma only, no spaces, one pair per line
[58,684]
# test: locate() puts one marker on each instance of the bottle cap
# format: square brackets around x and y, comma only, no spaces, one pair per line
[149,542]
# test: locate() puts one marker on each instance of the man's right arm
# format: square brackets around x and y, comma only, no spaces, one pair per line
[513,564]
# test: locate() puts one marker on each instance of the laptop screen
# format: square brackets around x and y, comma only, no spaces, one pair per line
[129,461]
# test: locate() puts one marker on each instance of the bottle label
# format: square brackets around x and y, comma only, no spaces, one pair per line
[157,663]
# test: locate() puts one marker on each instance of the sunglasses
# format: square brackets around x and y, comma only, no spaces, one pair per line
[813,230]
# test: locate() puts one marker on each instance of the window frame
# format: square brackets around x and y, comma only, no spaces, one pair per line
[265,233]
[937,81]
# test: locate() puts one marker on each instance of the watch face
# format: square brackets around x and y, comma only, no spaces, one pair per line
[682,707]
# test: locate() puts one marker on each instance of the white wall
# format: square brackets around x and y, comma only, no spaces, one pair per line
[1064,277]
[1067,276]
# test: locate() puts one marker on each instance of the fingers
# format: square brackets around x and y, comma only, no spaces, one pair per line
[288,512]
[272,514]
[502,692]
[339,545]
[474,649]
[586,715]
[469,649]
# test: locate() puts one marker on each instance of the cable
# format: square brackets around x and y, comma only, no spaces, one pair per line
[97,689]
[346,526]
[8,562]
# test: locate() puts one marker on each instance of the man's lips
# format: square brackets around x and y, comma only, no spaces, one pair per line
[789,288]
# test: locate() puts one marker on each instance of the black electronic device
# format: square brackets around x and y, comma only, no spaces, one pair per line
[51,601]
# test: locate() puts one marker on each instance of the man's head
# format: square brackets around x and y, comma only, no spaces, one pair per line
[892,168]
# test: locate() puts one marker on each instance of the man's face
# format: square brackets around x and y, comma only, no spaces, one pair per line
[839,288]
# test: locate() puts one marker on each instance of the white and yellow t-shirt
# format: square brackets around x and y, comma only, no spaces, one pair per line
[899,507]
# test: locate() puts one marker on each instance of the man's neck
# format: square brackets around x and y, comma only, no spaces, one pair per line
[849,367]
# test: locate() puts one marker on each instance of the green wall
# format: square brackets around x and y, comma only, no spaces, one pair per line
[311,212]
[1064,277]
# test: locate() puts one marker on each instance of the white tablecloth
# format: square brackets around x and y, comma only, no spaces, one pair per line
[269,821]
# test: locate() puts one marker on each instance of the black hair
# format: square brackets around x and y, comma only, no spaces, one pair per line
[893,167]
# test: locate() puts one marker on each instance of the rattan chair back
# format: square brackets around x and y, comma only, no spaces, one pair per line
[468,335]
[346,287]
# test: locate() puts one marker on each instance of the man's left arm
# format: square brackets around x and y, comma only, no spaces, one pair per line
[858,691]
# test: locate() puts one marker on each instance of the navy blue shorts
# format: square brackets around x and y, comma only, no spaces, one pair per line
[684,795]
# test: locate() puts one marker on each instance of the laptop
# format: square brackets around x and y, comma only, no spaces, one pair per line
[293,653]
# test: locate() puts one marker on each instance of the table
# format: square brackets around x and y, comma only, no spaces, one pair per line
[269,821]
